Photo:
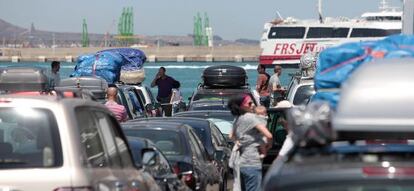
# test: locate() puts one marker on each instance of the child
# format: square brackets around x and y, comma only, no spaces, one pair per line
[261,113]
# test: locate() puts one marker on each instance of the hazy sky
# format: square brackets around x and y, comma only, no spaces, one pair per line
[230,19]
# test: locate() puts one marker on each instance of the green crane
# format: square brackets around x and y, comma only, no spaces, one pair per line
[85,37]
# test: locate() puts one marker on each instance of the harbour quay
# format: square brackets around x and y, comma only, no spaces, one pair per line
[228,53]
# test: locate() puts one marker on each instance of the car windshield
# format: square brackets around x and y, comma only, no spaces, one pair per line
[169,142]
[29,138]
[224,126]
[303,94]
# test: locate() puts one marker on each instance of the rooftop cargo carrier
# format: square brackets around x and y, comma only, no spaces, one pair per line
[96,85]
[23,79]
[224,76]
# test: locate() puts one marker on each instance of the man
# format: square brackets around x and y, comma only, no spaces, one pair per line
[54,74]
[262,85]
[165,85]
[118,110]
[275,87]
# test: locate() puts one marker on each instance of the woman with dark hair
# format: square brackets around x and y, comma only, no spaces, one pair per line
[248,131]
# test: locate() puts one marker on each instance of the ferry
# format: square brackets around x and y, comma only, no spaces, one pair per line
[284,41]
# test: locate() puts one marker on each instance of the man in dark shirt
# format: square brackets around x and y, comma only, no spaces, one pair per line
[165,85]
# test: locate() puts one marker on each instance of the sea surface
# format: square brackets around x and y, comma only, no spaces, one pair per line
[188,73]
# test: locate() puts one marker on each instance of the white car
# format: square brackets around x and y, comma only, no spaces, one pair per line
[55,143]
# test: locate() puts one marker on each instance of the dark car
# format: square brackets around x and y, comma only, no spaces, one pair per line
[277,116]
[362,166]
[182,147]
[223,119]
[218,95]
[213,140]
[147,156]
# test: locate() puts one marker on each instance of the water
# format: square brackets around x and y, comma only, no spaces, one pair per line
[188,73]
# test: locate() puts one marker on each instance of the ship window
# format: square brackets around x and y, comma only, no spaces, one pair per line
[325,32]
[372,32]
[286,32]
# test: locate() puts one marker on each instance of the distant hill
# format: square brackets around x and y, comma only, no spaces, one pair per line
[31,37]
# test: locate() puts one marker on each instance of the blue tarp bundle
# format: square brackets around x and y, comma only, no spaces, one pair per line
[109,63]
[335,64]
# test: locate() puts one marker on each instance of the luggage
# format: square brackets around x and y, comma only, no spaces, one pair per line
[133,76]
[96,85]
[224,76]
[23,79]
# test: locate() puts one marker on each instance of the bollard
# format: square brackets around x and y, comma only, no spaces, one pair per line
[69,58]
[209,58]
[15,59]
[238,58]
[152,58]
[42,58]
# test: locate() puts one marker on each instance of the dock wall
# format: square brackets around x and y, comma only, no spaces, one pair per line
[154,54]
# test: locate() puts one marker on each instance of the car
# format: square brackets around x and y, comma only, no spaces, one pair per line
[364,142]
[57,143]
[276,126]
[183,149]
[301,87]
[218,150]
[220,96]
[134,104]
[147,156]
[151,104]
[223,119]
[208,105]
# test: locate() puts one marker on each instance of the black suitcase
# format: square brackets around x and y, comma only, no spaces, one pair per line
[23,79]
[224,76]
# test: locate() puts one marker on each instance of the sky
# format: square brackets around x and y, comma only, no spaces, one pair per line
[230,19]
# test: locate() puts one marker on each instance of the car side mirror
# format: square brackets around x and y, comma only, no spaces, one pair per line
[149,158]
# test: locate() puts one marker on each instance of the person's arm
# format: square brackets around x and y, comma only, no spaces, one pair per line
[265,132]
[124,115]
[154,81]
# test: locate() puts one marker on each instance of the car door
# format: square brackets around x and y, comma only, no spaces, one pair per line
[209,171]
[95,157]
[132,177]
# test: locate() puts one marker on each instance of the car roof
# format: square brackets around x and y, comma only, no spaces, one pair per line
[378,97]
[207,112]
[202,90]
[179,120]
[155,125]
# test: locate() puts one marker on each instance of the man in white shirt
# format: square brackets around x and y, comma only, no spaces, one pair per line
[54,75]
[275,87]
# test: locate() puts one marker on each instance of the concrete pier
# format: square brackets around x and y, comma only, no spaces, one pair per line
[154,54]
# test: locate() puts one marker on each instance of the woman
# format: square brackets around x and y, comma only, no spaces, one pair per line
[248,131]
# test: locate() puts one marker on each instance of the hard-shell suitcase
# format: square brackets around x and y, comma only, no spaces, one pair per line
[224,76]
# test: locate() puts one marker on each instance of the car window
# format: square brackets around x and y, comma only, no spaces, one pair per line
[108,136]
[198,145]
[169,142]
[29,138]
[195,146]
[121,144]
[138,108]
[90,138]
[303,94]
[218,135]
[224,126]
[150,95]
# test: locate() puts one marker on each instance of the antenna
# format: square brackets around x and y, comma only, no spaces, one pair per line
[279,15]
[320,11]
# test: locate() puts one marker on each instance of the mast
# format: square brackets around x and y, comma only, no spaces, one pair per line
[320,11]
